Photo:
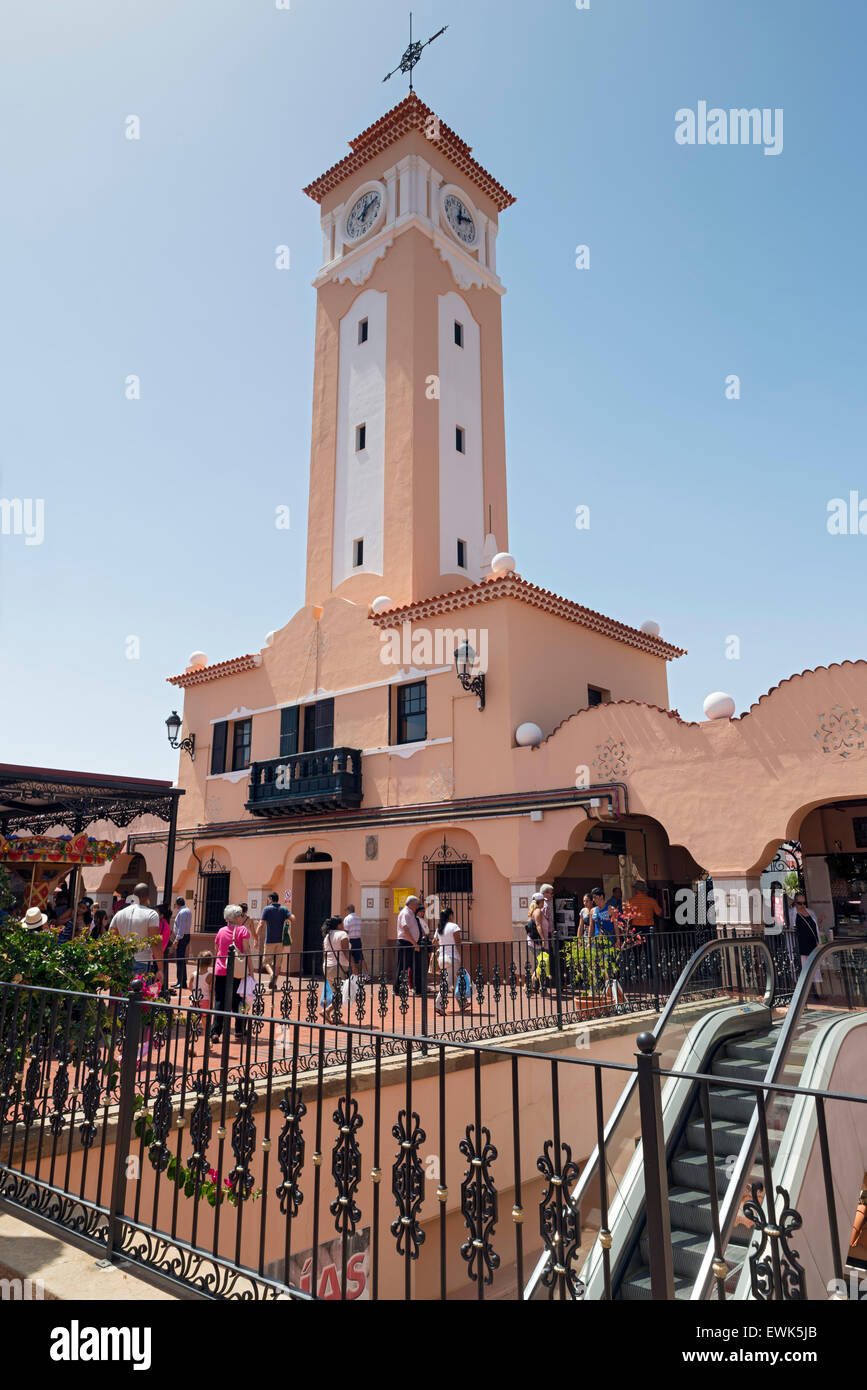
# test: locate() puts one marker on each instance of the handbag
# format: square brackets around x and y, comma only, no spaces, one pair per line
[532,931]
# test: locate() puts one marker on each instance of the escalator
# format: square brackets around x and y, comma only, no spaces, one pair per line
[728,1042]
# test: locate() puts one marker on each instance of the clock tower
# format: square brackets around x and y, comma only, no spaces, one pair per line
[408,466]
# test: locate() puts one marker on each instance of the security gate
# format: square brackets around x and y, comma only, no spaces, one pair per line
[448,876]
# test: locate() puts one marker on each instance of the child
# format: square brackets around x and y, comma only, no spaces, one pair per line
[204,979]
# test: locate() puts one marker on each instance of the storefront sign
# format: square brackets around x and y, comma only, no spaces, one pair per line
[329,1269]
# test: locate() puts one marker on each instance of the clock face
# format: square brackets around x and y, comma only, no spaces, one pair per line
[460,219]
[364,214]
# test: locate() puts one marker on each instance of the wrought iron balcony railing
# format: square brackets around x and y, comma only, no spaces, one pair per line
[327,780]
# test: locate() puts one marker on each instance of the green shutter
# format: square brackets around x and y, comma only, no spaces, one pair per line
[288,731]
[218,747]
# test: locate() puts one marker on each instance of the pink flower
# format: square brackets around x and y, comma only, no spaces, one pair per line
[212,1174]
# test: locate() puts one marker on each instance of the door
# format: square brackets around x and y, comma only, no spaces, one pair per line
[317,906]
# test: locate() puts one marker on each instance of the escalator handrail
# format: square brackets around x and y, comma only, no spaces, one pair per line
[729,1205]
[732,943]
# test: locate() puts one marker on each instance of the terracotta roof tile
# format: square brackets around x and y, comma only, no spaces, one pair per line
[410,114]
[513,586]
[215,672]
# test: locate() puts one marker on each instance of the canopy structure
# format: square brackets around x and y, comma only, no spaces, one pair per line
[34,800]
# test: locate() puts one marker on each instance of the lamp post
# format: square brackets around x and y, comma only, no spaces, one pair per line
[465,664]
[185,745]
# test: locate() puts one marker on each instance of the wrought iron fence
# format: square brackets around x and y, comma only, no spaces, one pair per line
[486,990]
[391,1167]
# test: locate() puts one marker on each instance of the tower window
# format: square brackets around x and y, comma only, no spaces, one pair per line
[360,438]
[459,334]
[462,555]
[363,327]
[461,439]
[595,696]
[358,553]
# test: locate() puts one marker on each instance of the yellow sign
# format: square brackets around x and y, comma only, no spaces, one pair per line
[400,897]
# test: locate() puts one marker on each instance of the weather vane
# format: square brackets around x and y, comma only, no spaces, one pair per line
[412,56]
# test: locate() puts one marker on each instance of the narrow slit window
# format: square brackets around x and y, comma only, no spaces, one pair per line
[360,438]
[462,555]
[363,330]
[357,553]
[461,439]
[459,334]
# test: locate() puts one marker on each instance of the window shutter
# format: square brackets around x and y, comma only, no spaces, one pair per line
[325,724]
[218,747]
[288,732]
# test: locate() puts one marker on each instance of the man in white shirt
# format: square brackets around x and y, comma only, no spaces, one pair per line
[140,920]
[352,927]
[411,931]
[182,926]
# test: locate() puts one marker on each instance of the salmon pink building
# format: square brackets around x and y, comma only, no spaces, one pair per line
[397,735]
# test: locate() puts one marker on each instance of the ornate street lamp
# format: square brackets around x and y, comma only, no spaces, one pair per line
[465,662]
[186,745]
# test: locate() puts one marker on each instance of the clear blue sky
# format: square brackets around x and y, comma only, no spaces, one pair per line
[156,257]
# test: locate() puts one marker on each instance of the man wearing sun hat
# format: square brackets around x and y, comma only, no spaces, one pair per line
[33,919]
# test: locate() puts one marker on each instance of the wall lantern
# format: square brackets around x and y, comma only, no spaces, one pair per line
[186,745]
[465,661]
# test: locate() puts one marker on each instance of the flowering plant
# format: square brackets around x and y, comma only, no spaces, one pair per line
[184,1178]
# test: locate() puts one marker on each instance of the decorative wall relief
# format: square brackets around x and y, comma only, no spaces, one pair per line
[841,733]
[612,760]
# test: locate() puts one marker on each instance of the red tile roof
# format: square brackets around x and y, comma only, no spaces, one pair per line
[410,114]
[513,586]
[213,673]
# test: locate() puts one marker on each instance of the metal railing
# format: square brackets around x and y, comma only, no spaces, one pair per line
[490,990]
[124,1128]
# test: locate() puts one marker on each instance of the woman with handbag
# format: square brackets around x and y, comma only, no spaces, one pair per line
[336,962]
[232,944]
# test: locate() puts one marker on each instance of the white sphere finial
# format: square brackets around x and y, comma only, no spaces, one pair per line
[650,627]
[503,563]
[528,735]
[197,661]
[718,705]
[381,604]
[269,640]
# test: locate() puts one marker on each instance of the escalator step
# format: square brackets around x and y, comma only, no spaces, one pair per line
[637,1287]
[728,1135]
[688,1168]
[729,1103]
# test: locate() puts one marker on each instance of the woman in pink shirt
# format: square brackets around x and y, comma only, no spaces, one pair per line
[233,934]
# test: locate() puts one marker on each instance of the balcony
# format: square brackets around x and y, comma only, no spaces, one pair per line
[306,783]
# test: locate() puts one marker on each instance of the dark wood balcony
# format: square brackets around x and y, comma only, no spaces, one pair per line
[327,780]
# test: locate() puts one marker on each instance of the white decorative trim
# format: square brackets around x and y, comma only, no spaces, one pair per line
[466,275]
[360,268]
[229,776]
[413,673]
[405,750]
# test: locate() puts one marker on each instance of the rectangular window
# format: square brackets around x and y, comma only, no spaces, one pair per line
[319,726]
[218,747]
[595,696]
[360,438]
[289,731]
[412,712]
[242,738]
[462,555]
[357,553]
[459,334]
[362,330]
[461,439]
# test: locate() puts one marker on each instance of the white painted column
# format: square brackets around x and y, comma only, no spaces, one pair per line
[483,239]
[492,246]
[390,177]
[329,225]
